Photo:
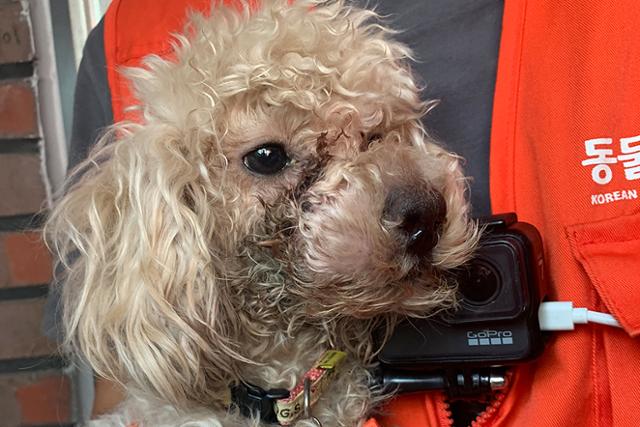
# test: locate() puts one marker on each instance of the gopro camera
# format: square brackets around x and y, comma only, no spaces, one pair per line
[496,324]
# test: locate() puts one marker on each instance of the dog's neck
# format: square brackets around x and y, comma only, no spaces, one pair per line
[281,361]
[284,368]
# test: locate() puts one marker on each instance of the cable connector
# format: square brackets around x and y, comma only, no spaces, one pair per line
[562,316]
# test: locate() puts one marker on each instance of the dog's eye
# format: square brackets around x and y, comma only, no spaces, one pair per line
[268,159]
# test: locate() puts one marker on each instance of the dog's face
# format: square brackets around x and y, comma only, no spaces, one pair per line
[280,179]
[341,209]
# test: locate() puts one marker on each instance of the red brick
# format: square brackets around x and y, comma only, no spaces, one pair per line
[24,260]
[34,398]
[15,33]
[22,184]
[20,334]
[5,274]
[18,110]
[46,401]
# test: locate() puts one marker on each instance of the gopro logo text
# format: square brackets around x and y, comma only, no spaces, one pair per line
[489,337]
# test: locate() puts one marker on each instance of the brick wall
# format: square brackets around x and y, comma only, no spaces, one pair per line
[34,387]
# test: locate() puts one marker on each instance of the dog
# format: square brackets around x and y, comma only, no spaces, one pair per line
[279,199]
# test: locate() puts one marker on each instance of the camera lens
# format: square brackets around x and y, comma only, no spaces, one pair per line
[479,282]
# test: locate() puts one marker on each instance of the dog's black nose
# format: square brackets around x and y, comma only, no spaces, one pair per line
[419,213]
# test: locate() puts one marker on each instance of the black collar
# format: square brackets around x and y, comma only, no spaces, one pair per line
[252,400]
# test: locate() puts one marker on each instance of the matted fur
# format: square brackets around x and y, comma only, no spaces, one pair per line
[185,272]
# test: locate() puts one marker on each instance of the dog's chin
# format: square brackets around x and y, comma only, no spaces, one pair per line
[422,294]
[409,298]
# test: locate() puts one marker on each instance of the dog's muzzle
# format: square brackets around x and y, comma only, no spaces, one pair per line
[419,214]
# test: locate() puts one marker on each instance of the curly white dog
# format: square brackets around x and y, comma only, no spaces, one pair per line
[279,199]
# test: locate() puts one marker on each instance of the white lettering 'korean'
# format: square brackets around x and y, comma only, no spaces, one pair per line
[630,148]
[601,158]
[604,198]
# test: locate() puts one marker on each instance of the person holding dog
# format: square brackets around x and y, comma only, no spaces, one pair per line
[538,98]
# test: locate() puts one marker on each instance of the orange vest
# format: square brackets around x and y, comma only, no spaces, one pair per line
[565,156]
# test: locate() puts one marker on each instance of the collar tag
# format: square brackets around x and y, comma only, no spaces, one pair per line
[289,409]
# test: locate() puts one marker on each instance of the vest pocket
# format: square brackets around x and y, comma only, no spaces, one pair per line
[609,252]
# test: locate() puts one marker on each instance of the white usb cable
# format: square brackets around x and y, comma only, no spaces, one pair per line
[562,316]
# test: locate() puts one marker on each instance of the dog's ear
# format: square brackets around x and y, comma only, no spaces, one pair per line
[145,296]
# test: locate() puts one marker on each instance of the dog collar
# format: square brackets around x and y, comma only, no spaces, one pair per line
[282,406]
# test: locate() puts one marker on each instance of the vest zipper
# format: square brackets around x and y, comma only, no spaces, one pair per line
[445,418]
[486,416]
[484,419]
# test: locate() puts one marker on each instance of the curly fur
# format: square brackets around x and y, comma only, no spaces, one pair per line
[185,272]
